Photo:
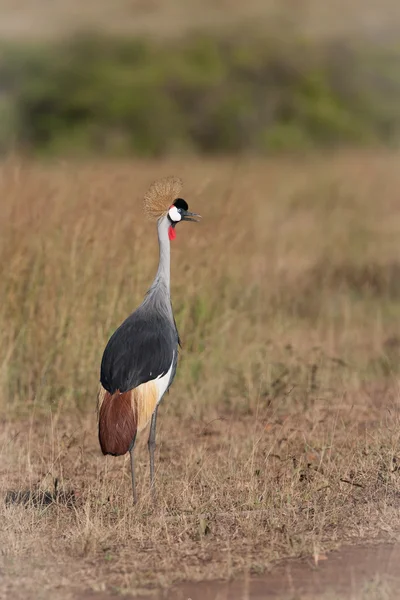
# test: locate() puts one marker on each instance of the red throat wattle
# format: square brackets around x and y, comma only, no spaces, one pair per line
[171,233]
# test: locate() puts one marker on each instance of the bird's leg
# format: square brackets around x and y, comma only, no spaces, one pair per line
[133,472]
[152,445]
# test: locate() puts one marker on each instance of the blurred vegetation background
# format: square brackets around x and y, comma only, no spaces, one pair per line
[247,79]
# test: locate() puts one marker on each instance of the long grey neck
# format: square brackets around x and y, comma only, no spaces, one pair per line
[159,291]
[164,266]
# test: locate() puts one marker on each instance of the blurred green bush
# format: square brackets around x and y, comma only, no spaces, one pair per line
[117,96]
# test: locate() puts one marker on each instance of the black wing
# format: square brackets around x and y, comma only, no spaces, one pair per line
[141,349]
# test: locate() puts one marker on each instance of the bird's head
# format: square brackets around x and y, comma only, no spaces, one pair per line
[177,212]
[162,201]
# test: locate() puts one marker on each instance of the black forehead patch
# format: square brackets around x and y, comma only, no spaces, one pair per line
[181,203]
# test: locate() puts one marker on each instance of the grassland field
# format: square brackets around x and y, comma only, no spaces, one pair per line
[280,436]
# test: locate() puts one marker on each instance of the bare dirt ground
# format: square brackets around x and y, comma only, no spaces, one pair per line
[280,438]
[354,572]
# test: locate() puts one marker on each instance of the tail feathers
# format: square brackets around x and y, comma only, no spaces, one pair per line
[117,422]
[121,416]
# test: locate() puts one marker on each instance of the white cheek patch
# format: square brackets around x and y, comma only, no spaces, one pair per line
[174,215]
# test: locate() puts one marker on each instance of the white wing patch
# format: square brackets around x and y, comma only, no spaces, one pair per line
[163,381]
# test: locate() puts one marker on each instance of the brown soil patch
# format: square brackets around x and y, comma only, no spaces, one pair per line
[352,573]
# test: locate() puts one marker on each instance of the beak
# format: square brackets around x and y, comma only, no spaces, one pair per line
[189,216]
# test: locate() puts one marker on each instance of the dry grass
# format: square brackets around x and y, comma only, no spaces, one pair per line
[37,19]
[280,436]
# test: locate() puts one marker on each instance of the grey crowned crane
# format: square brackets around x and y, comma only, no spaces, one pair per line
[140,359]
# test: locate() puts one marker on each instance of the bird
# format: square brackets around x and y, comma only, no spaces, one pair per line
[140,359]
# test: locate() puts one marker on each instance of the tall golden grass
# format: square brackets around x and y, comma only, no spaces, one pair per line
[280,434]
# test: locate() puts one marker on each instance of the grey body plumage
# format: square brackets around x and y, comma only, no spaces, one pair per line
[141,349]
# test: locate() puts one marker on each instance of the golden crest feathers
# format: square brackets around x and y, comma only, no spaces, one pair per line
[160,195]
